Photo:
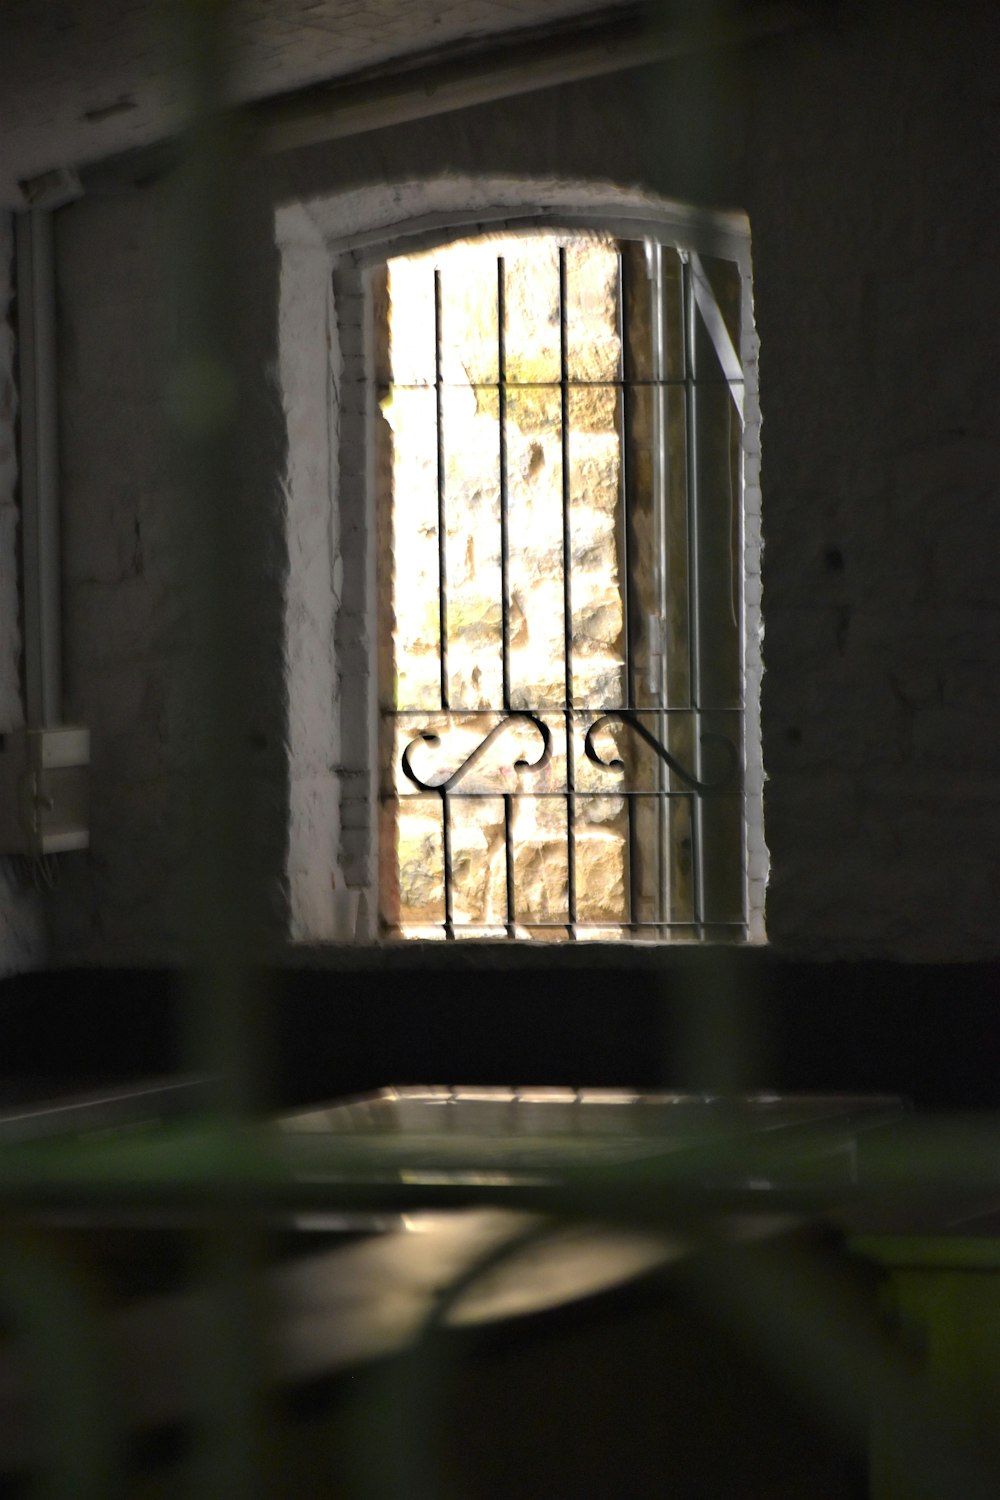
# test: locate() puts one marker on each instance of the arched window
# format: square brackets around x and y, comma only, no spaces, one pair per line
[523,612]
[560,446]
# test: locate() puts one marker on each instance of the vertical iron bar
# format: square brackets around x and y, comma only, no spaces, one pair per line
[502,420]
[694,597]
[449,915]
[224,1024]
[508,836]
[626,374]
[567,542]
[442,534]
[634,915]
[449,927]
[660,685]
[694,808]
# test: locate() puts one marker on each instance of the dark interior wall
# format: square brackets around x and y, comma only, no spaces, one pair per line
[21,938]
[693,1020]
[868,150]
[860,147]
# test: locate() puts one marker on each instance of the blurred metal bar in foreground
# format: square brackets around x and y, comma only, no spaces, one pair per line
[225,1348]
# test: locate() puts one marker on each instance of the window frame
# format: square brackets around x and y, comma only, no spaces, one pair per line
[355,260]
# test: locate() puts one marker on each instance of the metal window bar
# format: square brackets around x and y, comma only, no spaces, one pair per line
[441,521]
[508,801]
[693,580]
[626,372]
[661,647]
[442,588]
[567,552]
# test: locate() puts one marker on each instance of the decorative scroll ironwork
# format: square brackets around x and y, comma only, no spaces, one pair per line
[427,737]
[631,721]
[720,783]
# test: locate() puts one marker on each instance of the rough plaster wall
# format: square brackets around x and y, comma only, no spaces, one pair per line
[861,154]
[21,937]
[123,617]
[309,364]
[130,651]
[354,643]
[122,625]
[869,158]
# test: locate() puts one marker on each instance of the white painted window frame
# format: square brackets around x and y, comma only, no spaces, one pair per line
[351,255]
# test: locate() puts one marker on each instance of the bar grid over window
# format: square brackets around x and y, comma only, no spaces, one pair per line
[561,610]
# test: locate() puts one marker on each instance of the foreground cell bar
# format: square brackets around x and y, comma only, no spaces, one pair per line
[504,538]
[442,534]
[225,1348]
[567,544]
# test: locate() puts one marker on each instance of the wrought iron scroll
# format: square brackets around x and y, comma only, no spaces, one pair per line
[427,737]
[719,784]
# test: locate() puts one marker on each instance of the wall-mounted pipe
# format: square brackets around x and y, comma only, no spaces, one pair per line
[40,551]
[43,776]
[36,338]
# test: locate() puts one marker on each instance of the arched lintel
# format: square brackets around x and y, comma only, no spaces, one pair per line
[382,219]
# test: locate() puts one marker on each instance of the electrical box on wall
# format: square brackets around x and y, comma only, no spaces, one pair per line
[44,790]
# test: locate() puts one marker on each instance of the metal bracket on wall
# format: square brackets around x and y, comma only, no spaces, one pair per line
[44,791]
[715,323]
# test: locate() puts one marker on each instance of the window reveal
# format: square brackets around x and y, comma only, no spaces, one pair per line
[561,622]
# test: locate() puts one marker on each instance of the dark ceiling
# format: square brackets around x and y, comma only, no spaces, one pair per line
[81,80]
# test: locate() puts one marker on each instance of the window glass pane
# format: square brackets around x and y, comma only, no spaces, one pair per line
[722,863]
[723,277]
[721,736]
[593,344]
[472,523]
[411,320]
[719,580]
[656,469]
[679,901]
[597,555]
[674,640]
[639,292]
[601,866]
[420,861]
[479,887]
[411,417]
[532,322]
[468,274]
[534,487]
[540,869]
[671,316]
